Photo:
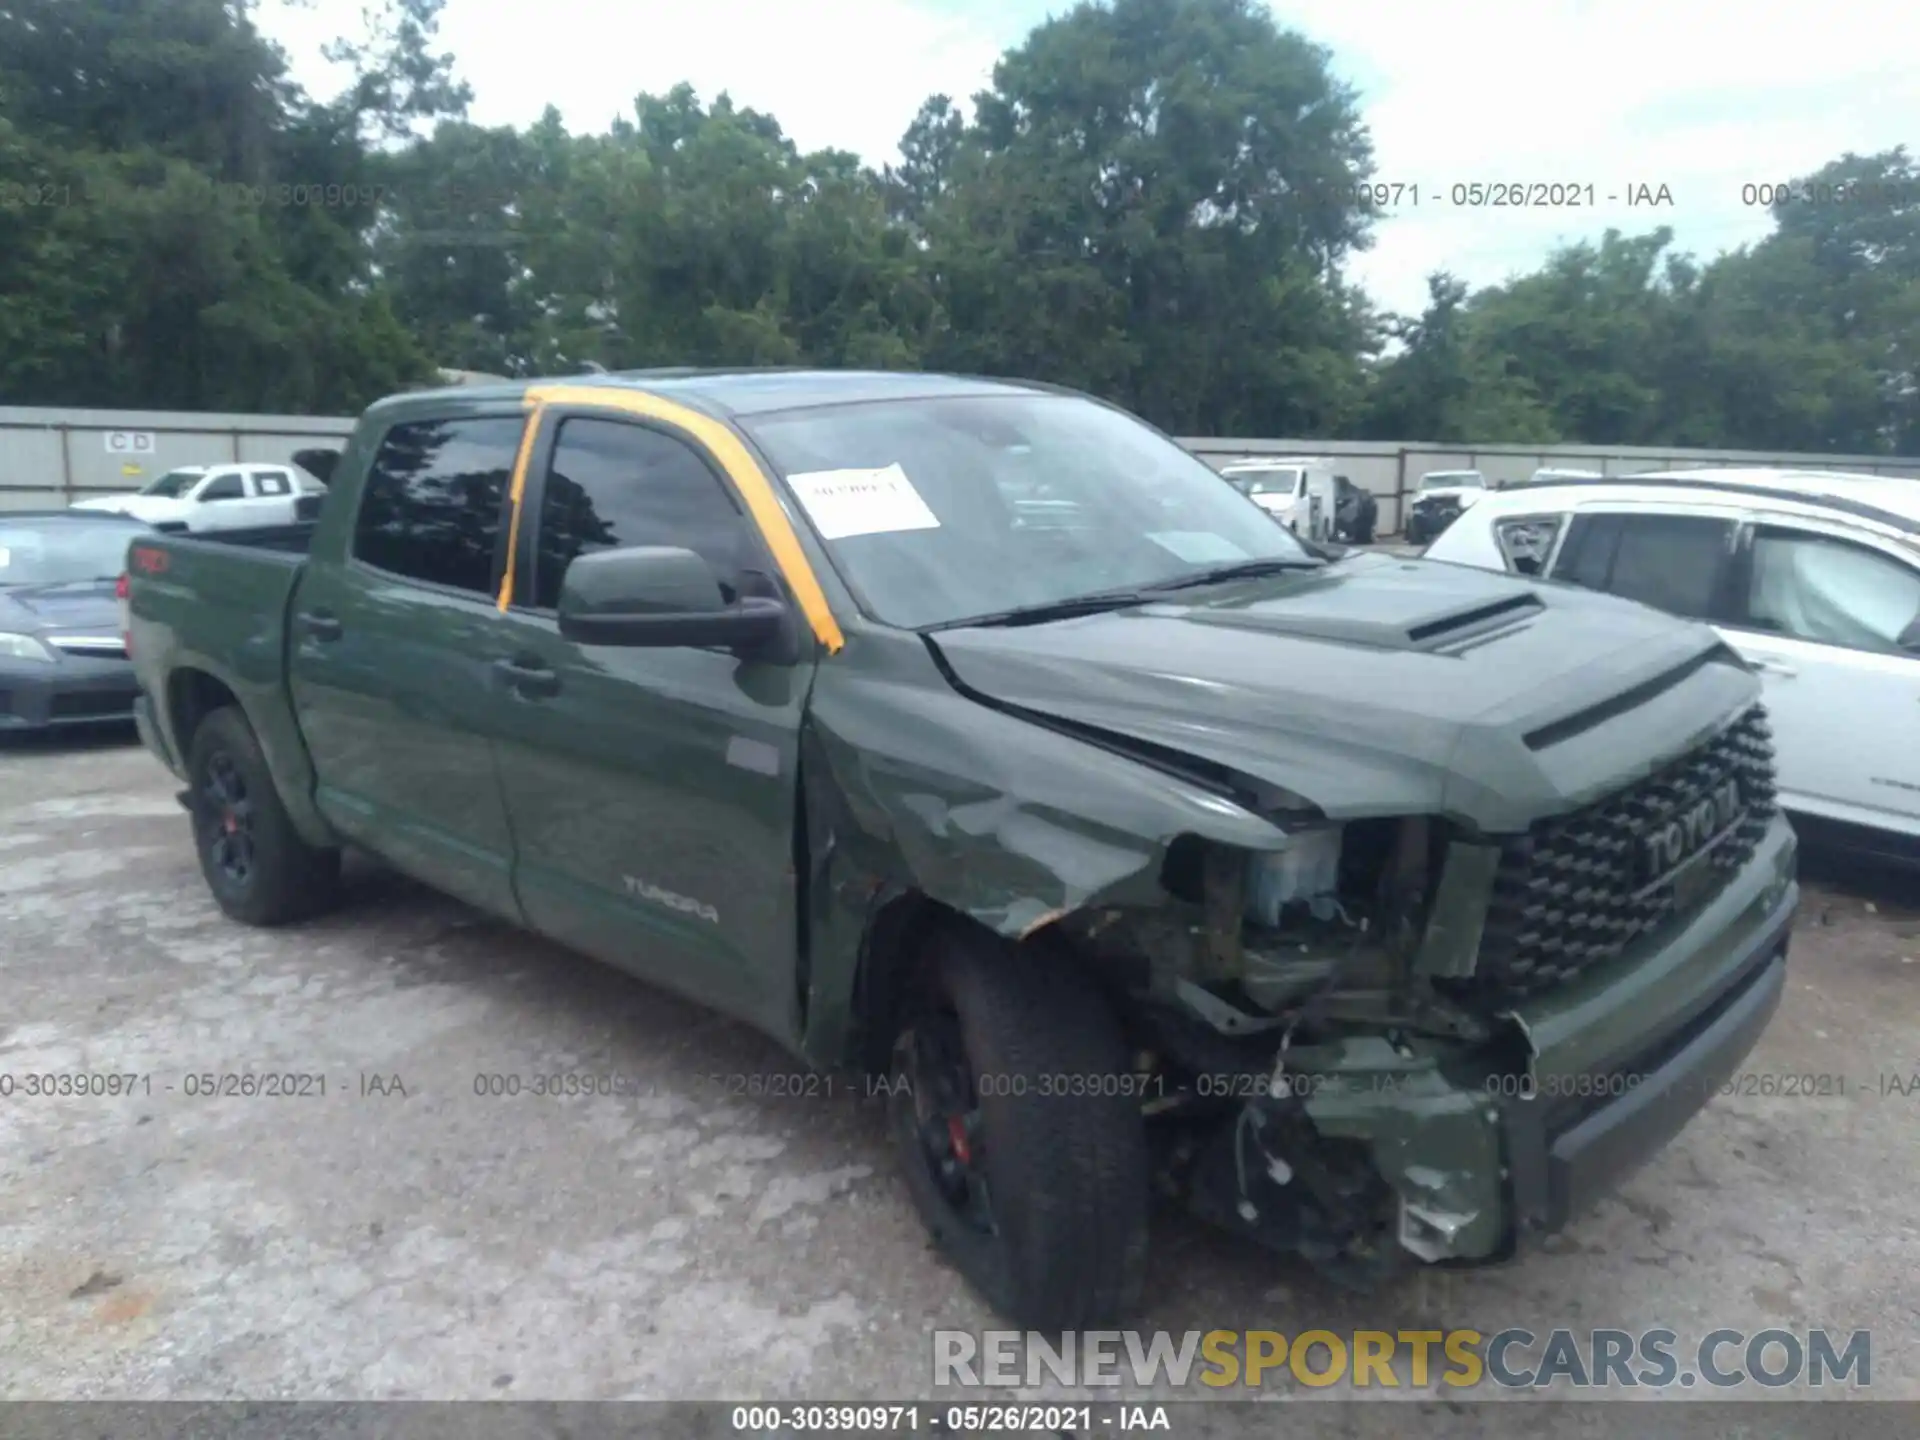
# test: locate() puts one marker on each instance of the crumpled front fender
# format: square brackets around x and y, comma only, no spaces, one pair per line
[909,786]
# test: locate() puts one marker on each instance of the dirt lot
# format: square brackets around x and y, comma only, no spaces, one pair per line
[402,1236]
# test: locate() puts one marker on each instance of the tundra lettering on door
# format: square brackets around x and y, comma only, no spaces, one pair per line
[685,904]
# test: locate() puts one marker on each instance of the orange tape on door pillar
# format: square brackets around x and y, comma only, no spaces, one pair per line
[518,493]
[734,457]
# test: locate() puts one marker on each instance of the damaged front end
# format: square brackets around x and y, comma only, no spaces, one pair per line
[1439,1006]
[1396,1041]
[1307,1030]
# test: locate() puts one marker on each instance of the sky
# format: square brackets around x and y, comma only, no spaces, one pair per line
[1702,97]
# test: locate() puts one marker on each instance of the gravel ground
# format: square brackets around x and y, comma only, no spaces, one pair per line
[402,1236]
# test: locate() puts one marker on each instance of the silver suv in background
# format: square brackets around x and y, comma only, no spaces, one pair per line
[1813,577]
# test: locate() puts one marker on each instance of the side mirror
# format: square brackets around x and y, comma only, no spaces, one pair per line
[659,596]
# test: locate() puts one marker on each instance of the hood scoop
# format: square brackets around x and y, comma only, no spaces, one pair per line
[1475,625]
[1449,633]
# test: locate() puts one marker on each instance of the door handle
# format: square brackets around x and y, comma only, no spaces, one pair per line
[1774,667]
[527,678]
[320,624]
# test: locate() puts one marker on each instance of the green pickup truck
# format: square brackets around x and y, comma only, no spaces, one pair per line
[1386,912]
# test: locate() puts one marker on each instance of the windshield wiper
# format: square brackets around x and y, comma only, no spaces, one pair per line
[1239,570]
[1096,604]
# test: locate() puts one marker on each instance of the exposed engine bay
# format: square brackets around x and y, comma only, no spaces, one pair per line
[1259,988]
[1324,1030]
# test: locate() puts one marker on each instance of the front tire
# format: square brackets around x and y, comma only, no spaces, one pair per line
[259,869]
[1020,1134]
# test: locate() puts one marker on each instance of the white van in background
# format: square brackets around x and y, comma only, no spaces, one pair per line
[1298,491]
[214,497]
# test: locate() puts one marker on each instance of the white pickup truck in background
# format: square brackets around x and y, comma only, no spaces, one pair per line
[215,497]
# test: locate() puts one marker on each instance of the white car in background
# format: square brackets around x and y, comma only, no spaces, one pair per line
[215,497]
[1298,491]
[1439,500]
[1813,577]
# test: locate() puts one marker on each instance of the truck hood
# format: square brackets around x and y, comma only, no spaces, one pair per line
[1465,494]
[151,508]
[1378,686]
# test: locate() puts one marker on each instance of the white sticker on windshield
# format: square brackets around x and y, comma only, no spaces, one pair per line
[6,557]
[1198,547]
[862,502]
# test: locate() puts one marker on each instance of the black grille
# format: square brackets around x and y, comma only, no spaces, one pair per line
[1571,893]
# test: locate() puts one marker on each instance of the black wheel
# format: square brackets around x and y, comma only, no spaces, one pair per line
[1414,533]
[255,863]
[1020,1135]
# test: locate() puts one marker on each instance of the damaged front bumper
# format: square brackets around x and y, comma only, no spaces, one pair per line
[1481,1153]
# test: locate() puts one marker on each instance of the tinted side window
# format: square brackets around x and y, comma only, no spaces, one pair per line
[226,487]
[615,484]
[1672,562]
[1587,556]
[432,503]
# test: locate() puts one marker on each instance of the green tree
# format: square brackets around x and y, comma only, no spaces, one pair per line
[1154,201]
[200,233]
[1443,385]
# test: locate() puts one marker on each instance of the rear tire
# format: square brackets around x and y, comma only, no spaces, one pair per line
[1020,1133]
[259,869]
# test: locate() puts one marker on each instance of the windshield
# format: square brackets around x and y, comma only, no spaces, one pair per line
[927,507]
[64,553]
[1453,480]
[173,484]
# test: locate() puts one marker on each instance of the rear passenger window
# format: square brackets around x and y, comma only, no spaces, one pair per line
[431,509]
[1672,562]
[1675,563]
[271,482]
[617,484]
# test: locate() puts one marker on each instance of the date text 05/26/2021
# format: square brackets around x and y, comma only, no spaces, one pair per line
[938,1419]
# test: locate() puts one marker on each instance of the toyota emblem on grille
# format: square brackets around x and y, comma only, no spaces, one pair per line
[1692,830]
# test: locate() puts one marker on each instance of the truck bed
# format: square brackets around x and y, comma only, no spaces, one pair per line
[217,605]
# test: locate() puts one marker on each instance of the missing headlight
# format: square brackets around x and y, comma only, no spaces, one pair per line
[1307,871]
